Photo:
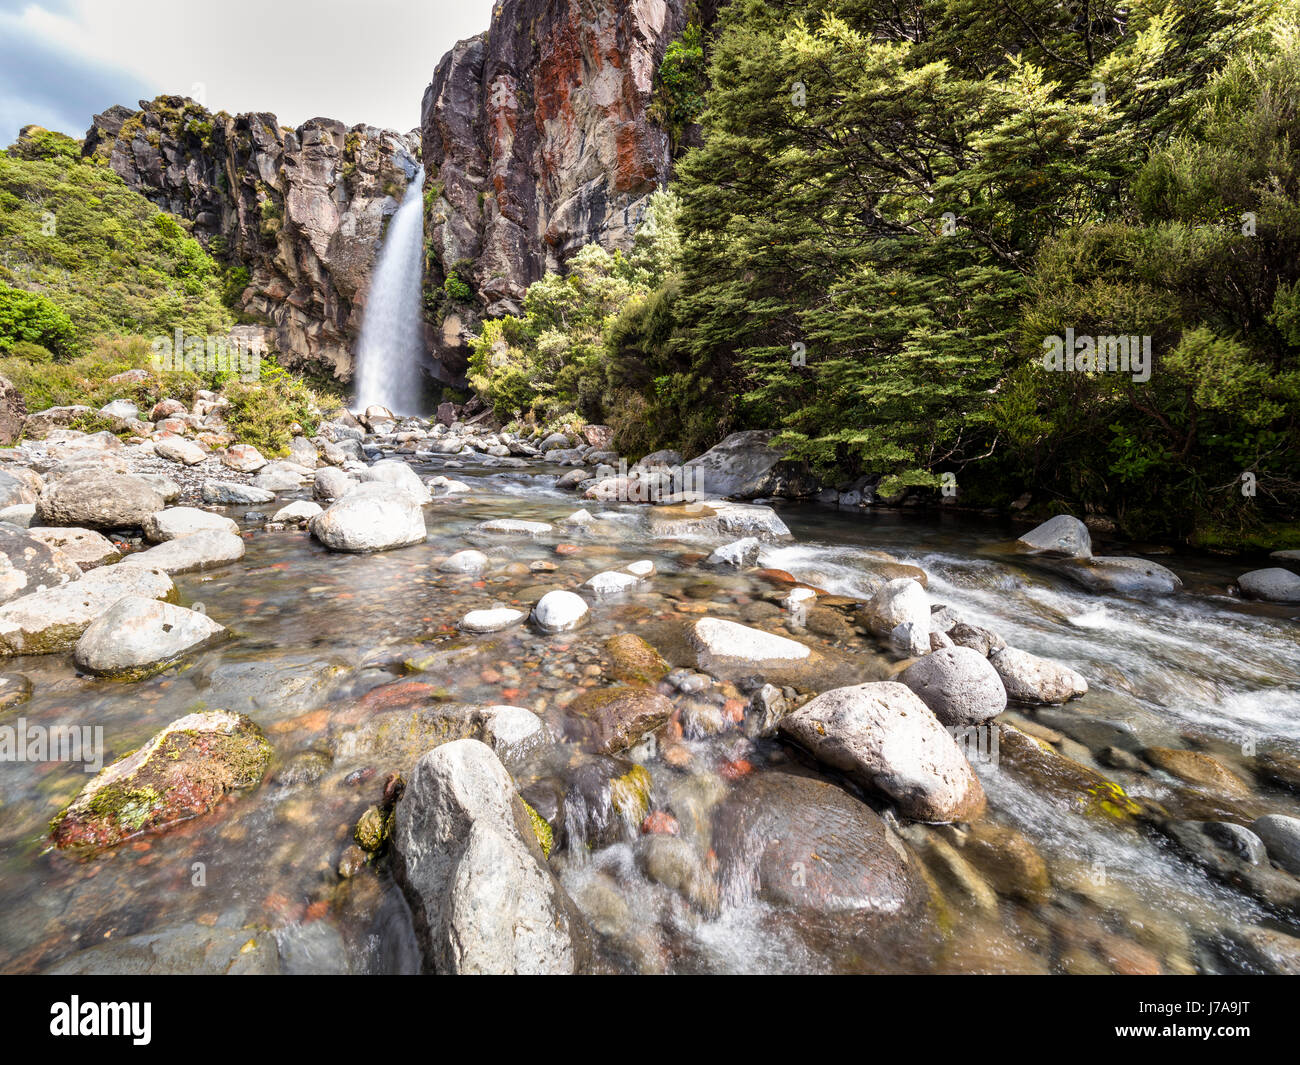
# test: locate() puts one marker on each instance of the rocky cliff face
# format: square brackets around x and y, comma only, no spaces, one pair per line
[538,139]
[302,211]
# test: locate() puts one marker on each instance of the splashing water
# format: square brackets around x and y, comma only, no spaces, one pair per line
[392,335]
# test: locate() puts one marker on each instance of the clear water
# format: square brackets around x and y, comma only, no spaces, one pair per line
[317,632]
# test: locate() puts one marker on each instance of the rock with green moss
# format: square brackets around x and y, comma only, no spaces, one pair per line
[372,830]
[136,637]
[1050,772]
[541,829]
[613,719]
[179,774]
[634,661]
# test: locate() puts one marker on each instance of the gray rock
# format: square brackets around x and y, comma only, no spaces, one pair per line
[200,550]
[514,527]
[559,611]
[399,475]
[898,602]
[299,512]
[177,449]
[1275,585]
[53,620]
[1240,841]
[976,638]
[137,634]
[470,562]
[481,895]
[611,583]
[884,737]
[85,547]
[175,523]
[1281,835]
[371,517]
[718,640]
[94,500]
[1036,681]
[228,493]
[303,452]
[331,484]
[746,466]
[30,564]
[958,684]
[484,621]
[1120,576]
[1061,536]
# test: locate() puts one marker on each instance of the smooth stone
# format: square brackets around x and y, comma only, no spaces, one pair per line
[372,517]
[483,621]
[1036,681]
[718,638]
[471,562]
[887,739]
[139,634]
[1275,585]
[228,493]
[212,547]
[513,527]
[958,684]
[299,512]
[84,547]
[51,621]
[1062,536]
[559,611]
[1281,835]
[177,522]
[610,583]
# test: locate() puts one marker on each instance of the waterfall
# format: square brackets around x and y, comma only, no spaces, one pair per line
[392,334]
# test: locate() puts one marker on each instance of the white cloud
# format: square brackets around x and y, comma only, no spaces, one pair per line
[354,61]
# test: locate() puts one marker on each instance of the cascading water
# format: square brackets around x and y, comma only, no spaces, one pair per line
[392,334]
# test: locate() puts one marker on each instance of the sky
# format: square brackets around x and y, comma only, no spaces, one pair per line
[63,61]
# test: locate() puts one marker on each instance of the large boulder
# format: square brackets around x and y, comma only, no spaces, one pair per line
[332,483]
[800,843]
[91,499]
[886,738]
[398,474]
[958,684]
[746,466]
[177,522]
[715,520]
[719,642]
[200,550]
[53,620]
[465,854]
[1036,681]
[1274,585]
[372,517]
[1118,575]
[1281,835]
[14,491]
[901,601]
[183,771]
[1058,537]
[28,564]
[243,458]
[136,636]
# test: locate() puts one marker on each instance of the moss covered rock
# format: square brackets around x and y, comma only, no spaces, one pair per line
[178,774]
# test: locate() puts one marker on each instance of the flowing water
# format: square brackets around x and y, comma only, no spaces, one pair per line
[325,640]
[391,347]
